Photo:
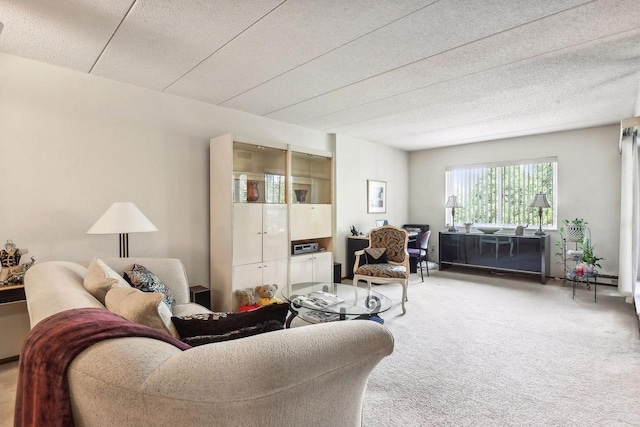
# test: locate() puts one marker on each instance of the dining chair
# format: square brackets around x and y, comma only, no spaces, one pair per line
[387,259]
[422,253]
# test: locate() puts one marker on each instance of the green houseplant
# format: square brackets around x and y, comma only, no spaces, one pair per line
[588,256]
[572,230]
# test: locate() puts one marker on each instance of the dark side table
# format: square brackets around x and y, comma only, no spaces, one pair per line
[201,295]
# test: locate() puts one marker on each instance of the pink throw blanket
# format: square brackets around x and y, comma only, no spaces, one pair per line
[43,387]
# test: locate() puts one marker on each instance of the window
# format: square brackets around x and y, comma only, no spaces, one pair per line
[500,193]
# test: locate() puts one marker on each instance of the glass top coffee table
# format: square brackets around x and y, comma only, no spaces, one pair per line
[318,302]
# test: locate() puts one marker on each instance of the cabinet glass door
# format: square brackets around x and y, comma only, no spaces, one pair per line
[258,174]
[311,178]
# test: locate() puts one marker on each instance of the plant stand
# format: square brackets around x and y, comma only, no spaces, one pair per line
[585,277]
[573,236]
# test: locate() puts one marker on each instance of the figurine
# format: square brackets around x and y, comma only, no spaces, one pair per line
[16,273]
[10,255]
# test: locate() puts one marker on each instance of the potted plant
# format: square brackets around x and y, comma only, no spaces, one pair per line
[589,257]
[467,226]
[571,231]
[574,229]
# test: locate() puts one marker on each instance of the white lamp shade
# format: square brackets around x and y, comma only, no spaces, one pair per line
[120,218]
[540,201]
[453,202]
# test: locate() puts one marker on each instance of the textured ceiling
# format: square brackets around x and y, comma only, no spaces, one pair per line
[413,74]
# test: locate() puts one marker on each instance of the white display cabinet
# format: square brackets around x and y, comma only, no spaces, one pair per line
[249,219]
[256,216]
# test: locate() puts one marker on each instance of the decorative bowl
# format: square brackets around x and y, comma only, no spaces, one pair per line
[489,230]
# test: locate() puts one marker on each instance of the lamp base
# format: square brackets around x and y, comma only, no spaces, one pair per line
[540,232]
[124,245]
[453,230]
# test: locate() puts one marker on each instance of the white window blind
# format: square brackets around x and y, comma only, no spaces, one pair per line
[500,193]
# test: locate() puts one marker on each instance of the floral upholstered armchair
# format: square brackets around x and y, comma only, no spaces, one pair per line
[386,259]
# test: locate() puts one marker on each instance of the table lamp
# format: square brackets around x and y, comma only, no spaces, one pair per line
[453,204]
[540,201]
[122,218]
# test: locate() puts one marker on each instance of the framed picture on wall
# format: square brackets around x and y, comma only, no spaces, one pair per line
[376,196]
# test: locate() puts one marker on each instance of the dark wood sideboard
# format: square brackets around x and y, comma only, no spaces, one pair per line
[527,254]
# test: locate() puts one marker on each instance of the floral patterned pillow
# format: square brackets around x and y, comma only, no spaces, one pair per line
[141,278]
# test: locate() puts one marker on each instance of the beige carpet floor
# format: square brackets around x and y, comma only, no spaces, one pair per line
[488,350]
[8,382]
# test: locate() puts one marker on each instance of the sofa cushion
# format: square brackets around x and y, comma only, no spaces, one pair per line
[382,270]
[141,278]
[100,278]
[375,256]
[222,323]
[271,325]
[145,308]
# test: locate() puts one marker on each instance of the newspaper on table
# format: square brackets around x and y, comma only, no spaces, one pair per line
[319,316]
[319,300]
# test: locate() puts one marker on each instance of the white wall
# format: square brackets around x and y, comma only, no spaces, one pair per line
[588,182]
[73,143]
[356,162]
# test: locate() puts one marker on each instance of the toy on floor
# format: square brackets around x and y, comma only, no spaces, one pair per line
[246,300]
[267,294]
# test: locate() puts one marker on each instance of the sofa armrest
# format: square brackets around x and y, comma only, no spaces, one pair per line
[309,375]
[253,367]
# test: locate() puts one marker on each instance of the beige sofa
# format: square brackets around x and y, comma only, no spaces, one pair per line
[313,375]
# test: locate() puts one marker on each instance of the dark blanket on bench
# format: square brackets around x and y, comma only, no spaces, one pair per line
[42,397]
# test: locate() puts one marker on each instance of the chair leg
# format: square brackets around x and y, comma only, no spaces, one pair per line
[404,297]
[426,261]
[421,273]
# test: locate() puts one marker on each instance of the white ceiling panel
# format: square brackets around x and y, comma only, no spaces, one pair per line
[408,73]
[570,28]
[518,123]
[418,36]
[161,41]
[68,33]
[532,87]
[296,32]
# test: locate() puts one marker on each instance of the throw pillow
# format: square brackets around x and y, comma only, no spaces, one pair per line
[222,323]
[271,325]
[146,308]
[100,278]
[141,278]
[375,255]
